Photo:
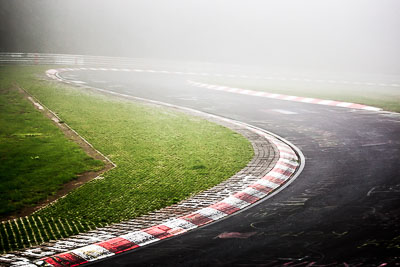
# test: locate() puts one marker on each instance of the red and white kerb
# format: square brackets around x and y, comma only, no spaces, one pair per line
[284,97]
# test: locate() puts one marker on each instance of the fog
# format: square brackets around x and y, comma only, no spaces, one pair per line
[338,35]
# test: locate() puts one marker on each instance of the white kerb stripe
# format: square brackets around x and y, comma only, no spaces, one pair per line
[325,102]
[254,192]
[287,151]
[238,203]
[371,108]
[284,168]
[285,147]
[180,223]
[287,156]
[344,104]
[307,100]
[246,92]
[277,175]
[140,238]
[274,95]
[267,183]
[290,97]
[212,213]
[92,252]
[259,93]
[288,161]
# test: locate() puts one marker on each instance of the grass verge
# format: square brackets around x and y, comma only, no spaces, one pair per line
[163,156]
[32,153]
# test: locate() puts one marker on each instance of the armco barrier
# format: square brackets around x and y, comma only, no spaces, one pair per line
[65,59]
[104,61]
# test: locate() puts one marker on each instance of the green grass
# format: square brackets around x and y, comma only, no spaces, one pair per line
[387,98]
[163,156]
[32,153]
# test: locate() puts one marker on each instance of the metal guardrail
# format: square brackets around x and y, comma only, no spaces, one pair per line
[218,69]
[66,59]
[102,61]
[116,62]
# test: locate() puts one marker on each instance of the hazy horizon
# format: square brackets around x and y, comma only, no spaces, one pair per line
[355,35]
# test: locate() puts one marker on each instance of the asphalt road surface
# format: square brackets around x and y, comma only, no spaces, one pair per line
[343,209]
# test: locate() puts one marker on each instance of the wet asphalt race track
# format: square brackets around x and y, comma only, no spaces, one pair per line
[343,209]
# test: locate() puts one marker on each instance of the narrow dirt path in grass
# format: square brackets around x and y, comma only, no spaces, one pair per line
[80,179]
[36,158]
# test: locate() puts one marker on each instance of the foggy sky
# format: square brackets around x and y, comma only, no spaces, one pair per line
[321,34]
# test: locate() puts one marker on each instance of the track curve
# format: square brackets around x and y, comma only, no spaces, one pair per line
[344,211]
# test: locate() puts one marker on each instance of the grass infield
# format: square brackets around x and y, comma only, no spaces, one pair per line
[162,157]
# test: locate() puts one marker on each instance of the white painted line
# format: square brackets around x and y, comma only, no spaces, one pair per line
[78,82]
[38,106]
